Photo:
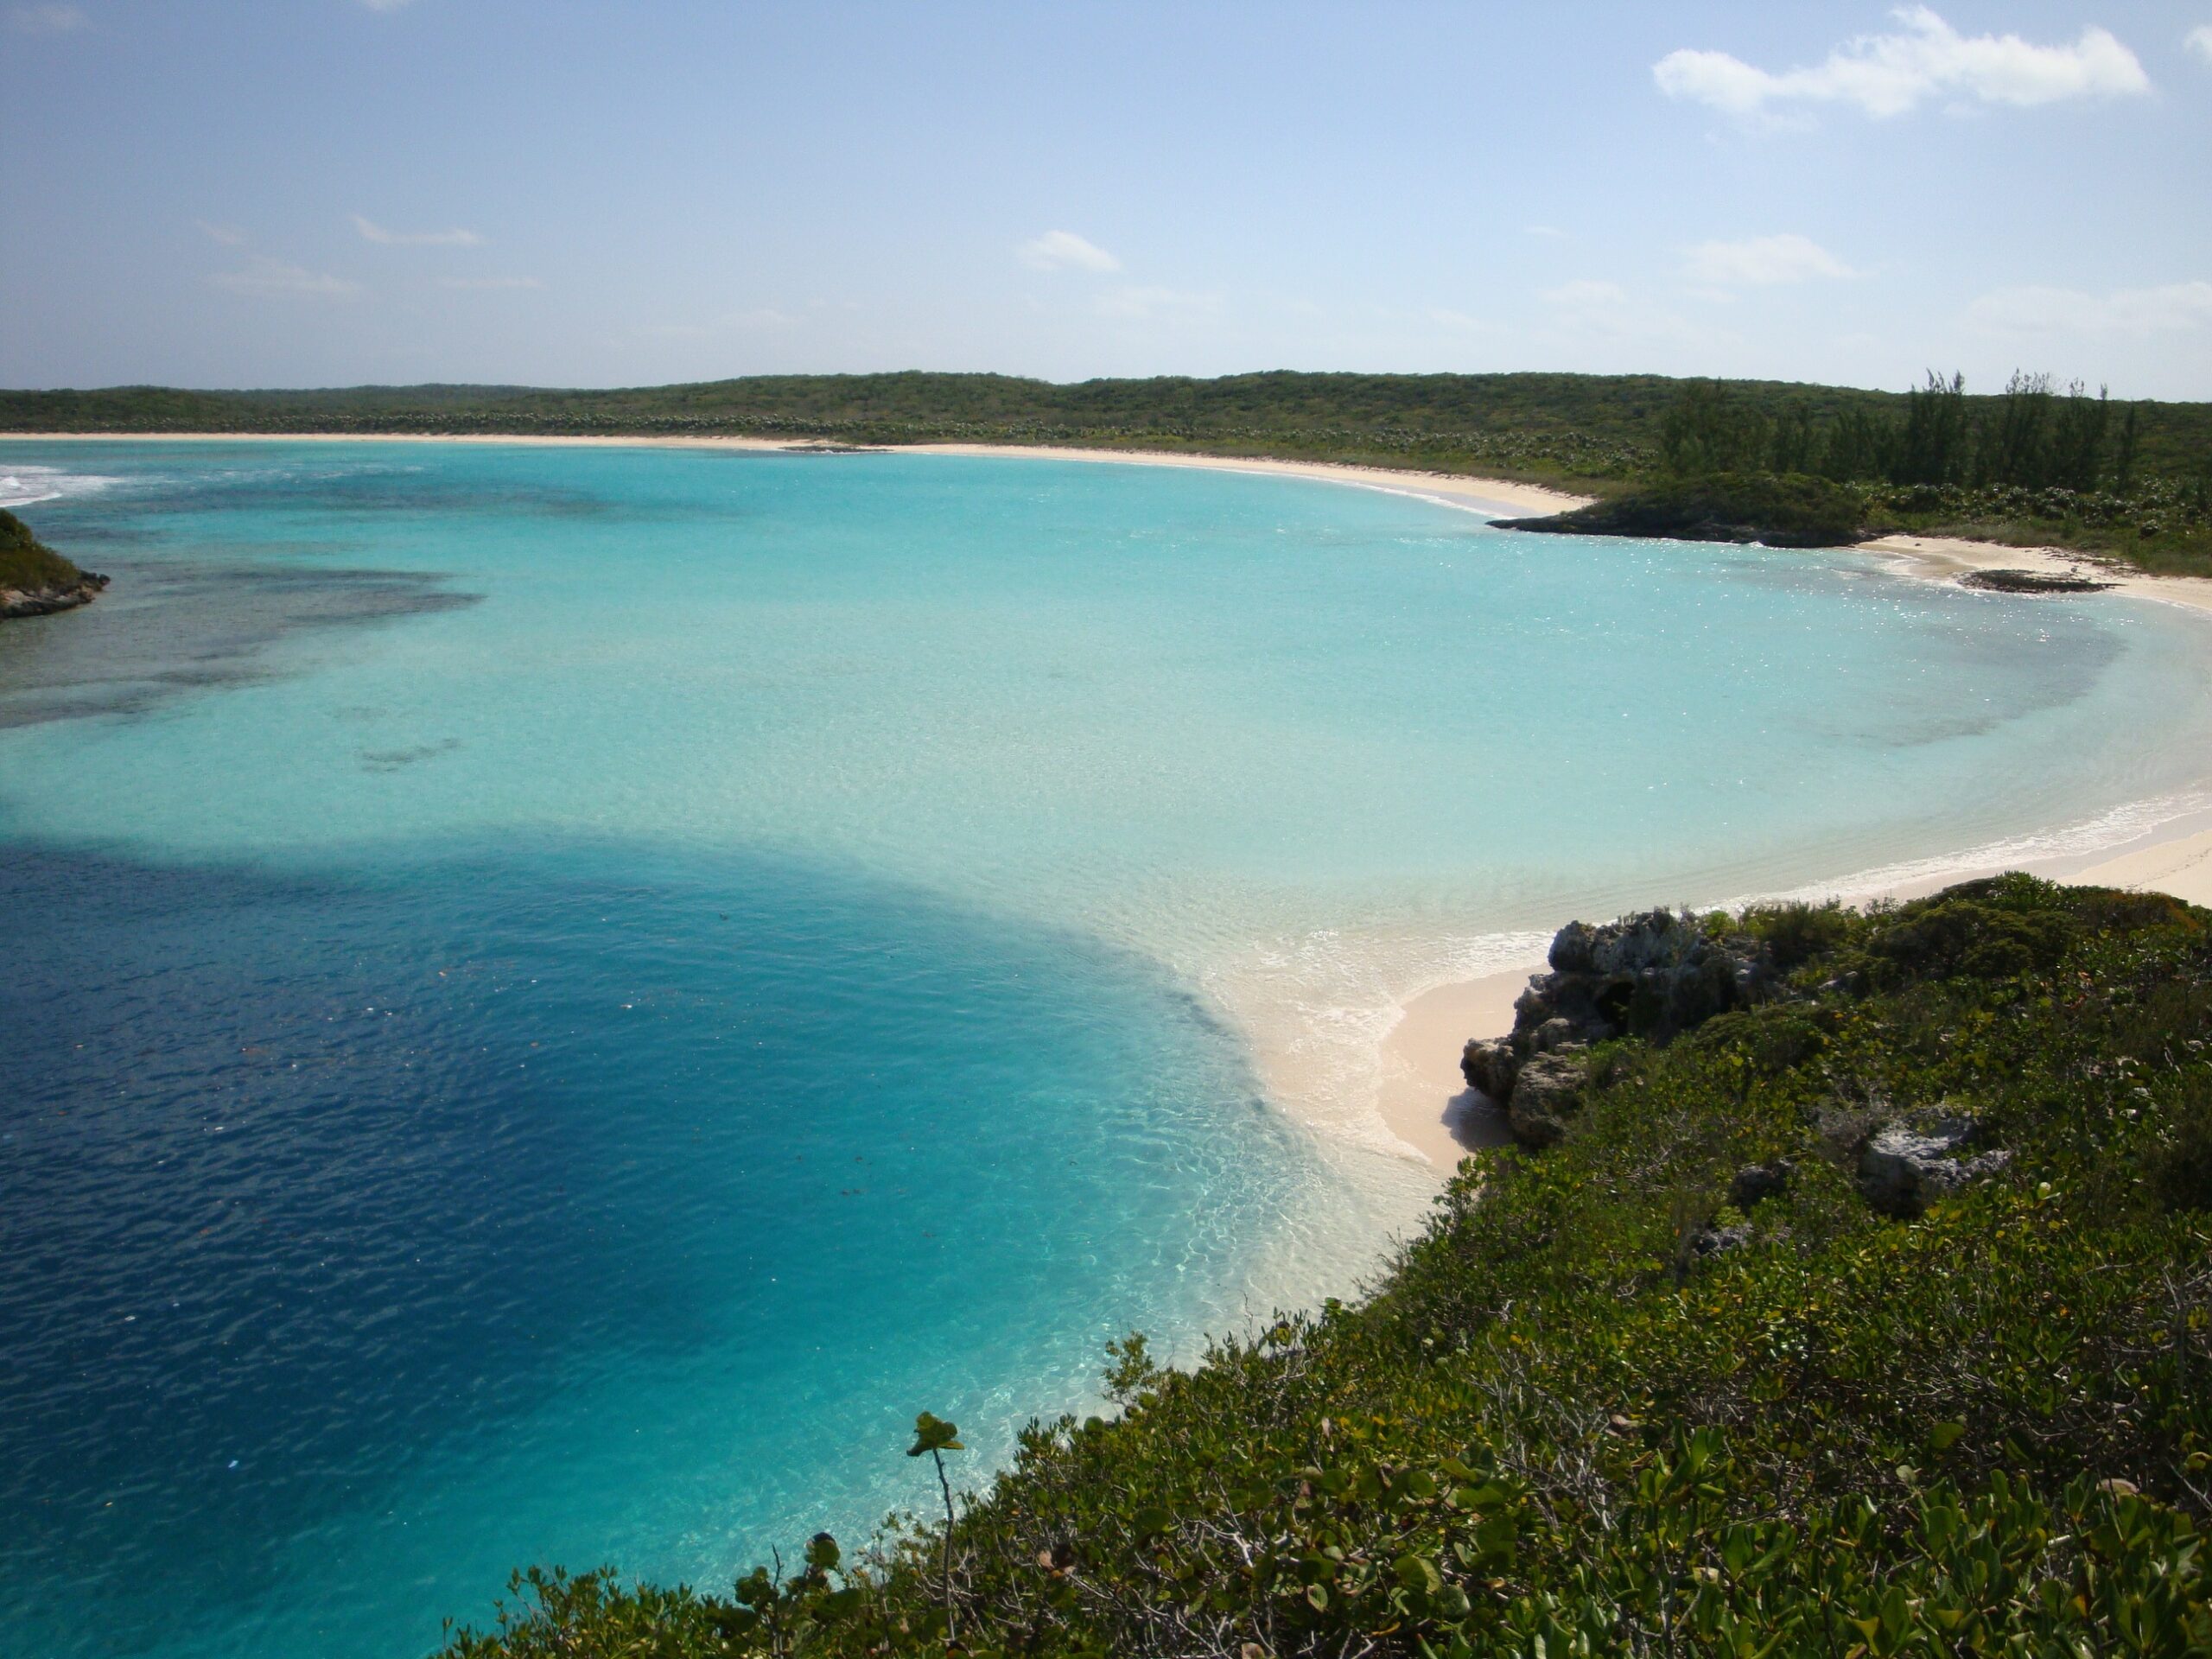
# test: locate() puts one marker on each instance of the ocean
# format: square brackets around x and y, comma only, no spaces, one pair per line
[555,997]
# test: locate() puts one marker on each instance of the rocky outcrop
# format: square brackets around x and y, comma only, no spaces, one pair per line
[44,602]
[1774,510]
[2033,582]
[35,580]
[1547,1091]
[1655,974]
[1902,1170]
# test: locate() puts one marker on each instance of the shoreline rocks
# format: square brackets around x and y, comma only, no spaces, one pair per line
[2031,581]
[45,601]
[1653,975]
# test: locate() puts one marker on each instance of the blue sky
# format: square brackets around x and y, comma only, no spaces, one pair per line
[322,191]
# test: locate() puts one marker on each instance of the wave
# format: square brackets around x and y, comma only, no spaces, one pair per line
[2079,840]
[24,486]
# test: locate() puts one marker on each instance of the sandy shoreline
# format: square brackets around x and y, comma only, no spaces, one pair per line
[1420,1098]
[1450,487]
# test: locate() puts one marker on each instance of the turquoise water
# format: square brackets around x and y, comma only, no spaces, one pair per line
[558,996]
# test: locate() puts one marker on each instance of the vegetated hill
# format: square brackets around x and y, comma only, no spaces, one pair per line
[1709,1375]
[1613,423]
[35,580]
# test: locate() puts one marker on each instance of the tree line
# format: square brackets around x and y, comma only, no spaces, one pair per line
[2034,437]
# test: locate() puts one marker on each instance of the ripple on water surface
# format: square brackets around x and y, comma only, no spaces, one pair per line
[364,1238]
[556,997]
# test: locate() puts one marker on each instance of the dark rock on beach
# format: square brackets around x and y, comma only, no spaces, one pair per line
[2030,582]
[1655,975]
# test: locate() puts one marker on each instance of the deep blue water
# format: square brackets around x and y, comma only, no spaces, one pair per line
[553,999]
[547,1203]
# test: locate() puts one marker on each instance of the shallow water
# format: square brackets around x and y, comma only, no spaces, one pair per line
[558,996]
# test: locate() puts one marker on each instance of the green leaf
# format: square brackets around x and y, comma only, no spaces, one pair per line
[1418,1573]
[822,1551]
[1152,1521]
[933,1433]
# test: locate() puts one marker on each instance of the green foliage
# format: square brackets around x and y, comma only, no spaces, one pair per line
[933,1433]
[1780,509]
[1557,1427]
[28,565]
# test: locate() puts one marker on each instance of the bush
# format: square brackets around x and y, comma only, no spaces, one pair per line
[28,565]
[1594,1410]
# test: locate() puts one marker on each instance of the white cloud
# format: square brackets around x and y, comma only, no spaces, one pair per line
[1541,230]
[267,278]
[371,231]
[2174,308]
[2199,40]
[1158,304]
[489,281]
[1889,74]
[224,235]
[1760,262]
[1066,251]
[48,20]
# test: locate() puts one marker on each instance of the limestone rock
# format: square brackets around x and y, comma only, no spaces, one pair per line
[1654,975]
[1547,1091]
[1489,1065]
[1902,1171]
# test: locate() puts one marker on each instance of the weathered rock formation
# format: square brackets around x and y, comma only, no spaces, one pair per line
[1654,975]
[1902,1171]
[44,602]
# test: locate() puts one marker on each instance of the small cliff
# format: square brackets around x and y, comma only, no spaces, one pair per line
[35,580]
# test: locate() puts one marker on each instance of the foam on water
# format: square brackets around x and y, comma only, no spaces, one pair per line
[387,819]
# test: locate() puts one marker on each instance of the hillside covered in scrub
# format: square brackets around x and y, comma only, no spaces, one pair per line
[1705,1374]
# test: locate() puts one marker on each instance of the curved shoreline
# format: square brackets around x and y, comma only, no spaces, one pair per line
[1495,492]
[1420,1101]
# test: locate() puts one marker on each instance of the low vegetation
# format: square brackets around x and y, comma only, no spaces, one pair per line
[1779,509]
[28,565]
[1620,1398]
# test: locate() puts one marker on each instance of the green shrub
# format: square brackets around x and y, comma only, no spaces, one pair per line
[28,565]
[1591,1410]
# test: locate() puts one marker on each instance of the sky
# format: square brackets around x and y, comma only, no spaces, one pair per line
[262,193]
